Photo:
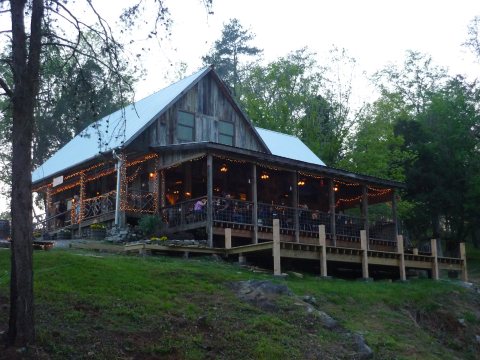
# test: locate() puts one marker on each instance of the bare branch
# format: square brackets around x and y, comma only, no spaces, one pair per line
[6,88]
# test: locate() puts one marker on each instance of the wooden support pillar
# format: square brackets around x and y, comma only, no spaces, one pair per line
[255,203]
[187,191]
[331,210]
[277,270]
[401,258]
[123,191]
[394,213]
[363,245]
[242,259]
[323,250]
[463,256]
[81,200]
[48,207]
[162,189]
[210,200]
[435,272]
[228,238]
[296,222]
[366,223]
[156,187]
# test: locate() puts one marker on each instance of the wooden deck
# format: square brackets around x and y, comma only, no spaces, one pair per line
[294,250]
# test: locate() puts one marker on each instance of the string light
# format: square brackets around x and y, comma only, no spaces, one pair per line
[264,176]
[224,168]
[301,183]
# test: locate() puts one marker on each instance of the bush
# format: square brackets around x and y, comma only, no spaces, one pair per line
[149,225]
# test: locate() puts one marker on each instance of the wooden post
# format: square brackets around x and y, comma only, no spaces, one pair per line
[187,180]
[394,214]
[123,191]
[228,238]
[363,245]
[401,256]
[323,250]
[48,207]
[156,187]
[162,189]
[277,271]
[255,204]
[435,272]
[366,223]
[415,251]
[296,221]
[210,200]
[331,210]
[463,256]
[81,199]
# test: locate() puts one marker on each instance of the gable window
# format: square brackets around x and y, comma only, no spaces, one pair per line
[185,126]
[225,133]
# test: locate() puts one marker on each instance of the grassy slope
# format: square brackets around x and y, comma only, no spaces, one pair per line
[104,306]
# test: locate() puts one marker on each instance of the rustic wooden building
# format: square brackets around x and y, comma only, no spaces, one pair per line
[189,155]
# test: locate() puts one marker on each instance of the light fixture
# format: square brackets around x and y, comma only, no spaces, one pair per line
[264,176]
[188,194]
[151,175]
[224,168]
[335,188]
[301,183]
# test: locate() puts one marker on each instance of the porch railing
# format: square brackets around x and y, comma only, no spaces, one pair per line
[99,205]
[183,213]
[233,211]
[226,211]
[348,227]
[140,201]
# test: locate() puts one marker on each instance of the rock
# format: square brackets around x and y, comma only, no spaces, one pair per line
[310,300]
[296,274]
[364,351]
[462,322]
[202,321]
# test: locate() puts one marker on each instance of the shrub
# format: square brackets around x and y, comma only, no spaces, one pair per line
[149,225]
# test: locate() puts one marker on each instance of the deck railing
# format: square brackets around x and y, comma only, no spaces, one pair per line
[99,205]
[183,213]
[239,212]
[140,201]
[226,210]
[348,227]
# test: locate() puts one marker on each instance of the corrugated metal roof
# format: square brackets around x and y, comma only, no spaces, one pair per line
[116,129]
[288,146]
[124,125]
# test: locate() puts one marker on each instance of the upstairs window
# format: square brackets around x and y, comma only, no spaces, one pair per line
[185,126]
[225,133]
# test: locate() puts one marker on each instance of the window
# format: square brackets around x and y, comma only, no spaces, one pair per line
[225,133]
[185,126]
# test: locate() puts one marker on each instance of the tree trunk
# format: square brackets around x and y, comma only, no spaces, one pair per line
[25,66]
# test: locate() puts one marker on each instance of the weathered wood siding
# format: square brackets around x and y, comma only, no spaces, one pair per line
[209,105]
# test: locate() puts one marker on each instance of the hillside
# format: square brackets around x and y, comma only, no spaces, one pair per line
[101,306]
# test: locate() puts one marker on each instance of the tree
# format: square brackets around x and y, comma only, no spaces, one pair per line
[227,52]
[50,24]
[374,148]
[296,95]
[443,178]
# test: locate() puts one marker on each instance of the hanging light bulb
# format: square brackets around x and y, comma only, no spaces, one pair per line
[224,168]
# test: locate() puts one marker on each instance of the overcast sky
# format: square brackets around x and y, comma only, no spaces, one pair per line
[374,32]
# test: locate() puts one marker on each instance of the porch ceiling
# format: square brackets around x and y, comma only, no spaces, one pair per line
[278,161]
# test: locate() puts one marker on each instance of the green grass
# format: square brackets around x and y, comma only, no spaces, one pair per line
[112,306]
